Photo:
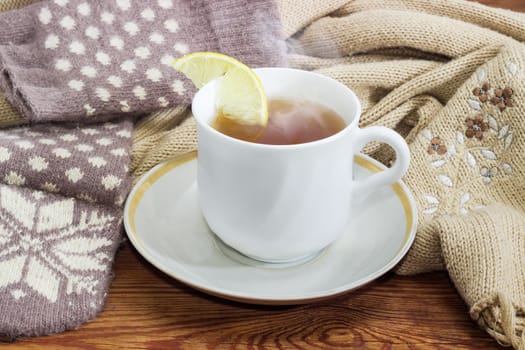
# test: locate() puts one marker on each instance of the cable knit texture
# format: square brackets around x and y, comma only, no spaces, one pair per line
[450,77]
[76,72]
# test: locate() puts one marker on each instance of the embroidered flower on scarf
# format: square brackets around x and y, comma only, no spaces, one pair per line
[436,146]
[502,98]
[488,174]
[476,127]
[482,92]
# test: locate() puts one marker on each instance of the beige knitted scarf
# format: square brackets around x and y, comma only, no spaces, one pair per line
[450,77]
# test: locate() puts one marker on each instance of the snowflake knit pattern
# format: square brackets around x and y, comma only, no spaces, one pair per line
[80,73]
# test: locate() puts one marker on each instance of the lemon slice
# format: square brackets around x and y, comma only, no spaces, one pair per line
[240,95]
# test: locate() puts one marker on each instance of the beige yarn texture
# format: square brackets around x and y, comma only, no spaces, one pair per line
[415,66]
[419,67]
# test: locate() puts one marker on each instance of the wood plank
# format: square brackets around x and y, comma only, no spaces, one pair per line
[515,5]
[147,309]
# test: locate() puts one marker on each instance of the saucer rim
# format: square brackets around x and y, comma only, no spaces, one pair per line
[147,180]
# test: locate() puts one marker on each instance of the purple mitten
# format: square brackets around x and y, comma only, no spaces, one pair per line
[89,162]
[88,60]
[61,191]
[55,261]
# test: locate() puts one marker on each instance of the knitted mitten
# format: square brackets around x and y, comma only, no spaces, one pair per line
[92,60]
[60,222]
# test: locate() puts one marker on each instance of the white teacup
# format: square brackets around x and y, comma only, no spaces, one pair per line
[282,203]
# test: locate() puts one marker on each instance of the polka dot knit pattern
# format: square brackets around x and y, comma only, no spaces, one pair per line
[81,60]
[88,162]
[78,75]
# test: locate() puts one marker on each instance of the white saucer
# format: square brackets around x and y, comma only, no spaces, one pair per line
[164,223]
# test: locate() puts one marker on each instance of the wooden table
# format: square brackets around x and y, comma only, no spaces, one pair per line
[148,310]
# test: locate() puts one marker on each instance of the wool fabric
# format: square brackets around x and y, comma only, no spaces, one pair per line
[450,77]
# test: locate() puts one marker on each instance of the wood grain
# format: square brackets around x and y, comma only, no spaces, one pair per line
[516,5]
[148,310]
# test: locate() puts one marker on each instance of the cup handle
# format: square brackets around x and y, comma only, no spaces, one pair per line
[390,175]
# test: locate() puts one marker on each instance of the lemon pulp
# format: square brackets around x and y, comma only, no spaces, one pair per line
[240,94]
